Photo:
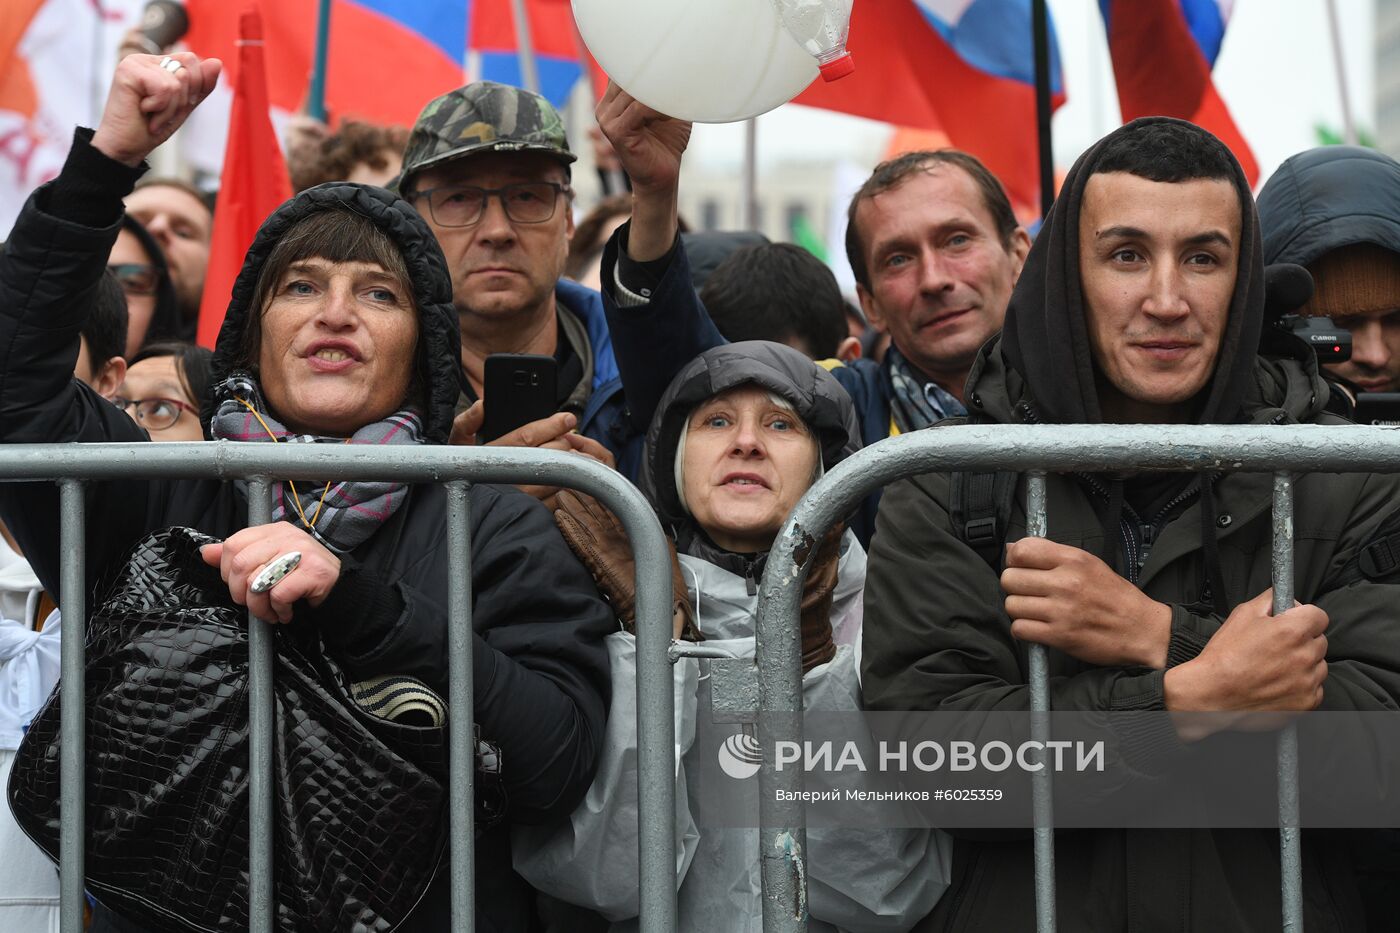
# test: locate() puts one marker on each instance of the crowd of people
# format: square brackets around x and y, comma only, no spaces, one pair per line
[724,375]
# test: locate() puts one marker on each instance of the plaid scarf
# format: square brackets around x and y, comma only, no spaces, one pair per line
[917,404]
[343,515]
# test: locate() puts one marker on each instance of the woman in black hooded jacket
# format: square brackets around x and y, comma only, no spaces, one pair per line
[342,337]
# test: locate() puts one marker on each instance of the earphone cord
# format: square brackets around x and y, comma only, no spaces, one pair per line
[296,499]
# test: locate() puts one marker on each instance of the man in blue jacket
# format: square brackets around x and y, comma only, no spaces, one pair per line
[488,166]
[936,250]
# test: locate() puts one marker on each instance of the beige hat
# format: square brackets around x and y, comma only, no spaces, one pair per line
[1358,279]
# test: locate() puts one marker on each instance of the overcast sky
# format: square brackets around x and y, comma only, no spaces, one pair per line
[1276,73]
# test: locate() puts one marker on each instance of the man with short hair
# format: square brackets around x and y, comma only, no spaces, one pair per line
[488,166]
[780,292]
[936,250]
[1142,301]
[178,216]
[1336,210]
[102,342]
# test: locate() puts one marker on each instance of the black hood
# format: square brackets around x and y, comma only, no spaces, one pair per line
[816,396]
[439,340]
[1323,199]
[166,321]
[1046,336]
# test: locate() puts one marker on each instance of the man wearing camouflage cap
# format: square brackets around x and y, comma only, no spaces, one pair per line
[488,166]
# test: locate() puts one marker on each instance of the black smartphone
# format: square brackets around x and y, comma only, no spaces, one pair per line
[518,388]
[1377,408]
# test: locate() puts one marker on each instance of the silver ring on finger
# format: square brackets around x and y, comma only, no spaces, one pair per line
[275,571]
[171,65]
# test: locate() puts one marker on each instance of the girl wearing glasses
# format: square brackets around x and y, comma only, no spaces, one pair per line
[163,386]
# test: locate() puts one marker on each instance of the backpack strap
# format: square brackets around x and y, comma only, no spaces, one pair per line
[979,507]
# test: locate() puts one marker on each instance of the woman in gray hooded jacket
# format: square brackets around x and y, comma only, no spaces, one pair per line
[738,438]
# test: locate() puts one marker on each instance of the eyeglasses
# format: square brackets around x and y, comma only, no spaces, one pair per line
[136,278]
[154,414]
[461,206]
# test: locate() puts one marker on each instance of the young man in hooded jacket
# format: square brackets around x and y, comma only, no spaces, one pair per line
[1141,302]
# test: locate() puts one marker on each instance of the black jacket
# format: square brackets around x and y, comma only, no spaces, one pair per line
[540,668]
[937,636]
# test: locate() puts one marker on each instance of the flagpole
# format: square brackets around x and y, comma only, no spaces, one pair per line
[749,207]
[1348,124]
[1040,28]
[524,47]
[316,96]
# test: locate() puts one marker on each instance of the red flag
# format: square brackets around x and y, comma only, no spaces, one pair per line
[254,180]
[1161,71]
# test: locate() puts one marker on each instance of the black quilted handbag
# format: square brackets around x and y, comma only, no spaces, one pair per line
[360,801]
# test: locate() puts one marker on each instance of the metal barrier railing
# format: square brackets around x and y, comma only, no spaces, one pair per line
[1034,450]
[72,465]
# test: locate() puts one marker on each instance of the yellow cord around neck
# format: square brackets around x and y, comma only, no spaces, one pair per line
[296,499]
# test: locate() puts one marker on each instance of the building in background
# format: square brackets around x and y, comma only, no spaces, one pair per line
[1388,76]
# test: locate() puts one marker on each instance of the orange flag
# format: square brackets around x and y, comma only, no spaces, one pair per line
[254,180]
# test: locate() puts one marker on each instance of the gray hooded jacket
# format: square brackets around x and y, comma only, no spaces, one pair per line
[859,879]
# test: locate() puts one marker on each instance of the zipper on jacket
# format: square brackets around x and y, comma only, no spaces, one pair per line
[750,583]
[1147,534]
[1148,530]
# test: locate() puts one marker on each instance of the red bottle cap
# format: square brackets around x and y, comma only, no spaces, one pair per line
[839,68]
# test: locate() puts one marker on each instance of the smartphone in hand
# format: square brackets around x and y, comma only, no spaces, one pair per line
[518,388]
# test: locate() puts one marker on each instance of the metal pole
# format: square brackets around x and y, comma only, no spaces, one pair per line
[1343,86]
[261,897]
[749,191]
[782,834]
[316,94]
[656,705]
[524,47]
[461,740]
[1040,28]
[1290,838]
[73,760]
[1042,791]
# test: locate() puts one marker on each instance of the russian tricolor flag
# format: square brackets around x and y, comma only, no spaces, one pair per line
[962,67]
[388,58]
[1163,52]
[492,45]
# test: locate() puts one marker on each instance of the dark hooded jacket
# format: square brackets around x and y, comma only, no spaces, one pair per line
[540,667]
[1326,198]
[937,636]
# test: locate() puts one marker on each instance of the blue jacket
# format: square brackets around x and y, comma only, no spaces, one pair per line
[636,352]
[870,388]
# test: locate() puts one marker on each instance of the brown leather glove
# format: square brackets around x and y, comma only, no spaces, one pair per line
[817,646]
[597,537]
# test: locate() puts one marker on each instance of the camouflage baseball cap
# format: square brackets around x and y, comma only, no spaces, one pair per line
[483,117]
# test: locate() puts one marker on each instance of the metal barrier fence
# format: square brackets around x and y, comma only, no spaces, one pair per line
[1034,450]
[72,465]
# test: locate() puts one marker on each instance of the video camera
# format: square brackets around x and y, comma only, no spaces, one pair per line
[1287,287]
